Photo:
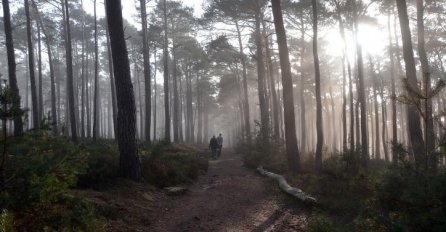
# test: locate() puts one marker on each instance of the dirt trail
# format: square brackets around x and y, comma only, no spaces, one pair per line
[228,198]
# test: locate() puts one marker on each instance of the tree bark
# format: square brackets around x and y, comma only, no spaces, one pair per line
[39,64]
[96,77]
[292,150]
[415,133]
[245,86]
[129,159]
[284,186]
[70,88]
[32,77]
[429,134]
[166,79]
[18,123]
[393,93]
[317,76]
[51,67]
[361,92]
[147,78]
[263,103]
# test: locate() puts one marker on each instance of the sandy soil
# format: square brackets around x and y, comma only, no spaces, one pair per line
[228,198]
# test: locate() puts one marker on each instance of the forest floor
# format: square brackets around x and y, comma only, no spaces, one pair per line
[229,197]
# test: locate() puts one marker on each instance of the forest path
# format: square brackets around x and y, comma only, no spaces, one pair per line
[229,197]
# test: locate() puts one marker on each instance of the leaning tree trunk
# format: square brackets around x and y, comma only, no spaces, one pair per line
[129,160]
[18,124]
[317,76]
[32,77]
[415,133]
[292,149]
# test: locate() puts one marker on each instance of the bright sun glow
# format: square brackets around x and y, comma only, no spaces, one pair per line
[372,39]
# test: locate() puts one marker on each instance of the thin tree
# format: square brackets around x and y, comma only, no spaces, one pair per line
[393,94]
[96,74]
[317,76]
[292,149]
[166,78]
[32,77]
[51,67]
[147,78]
[69,60]
[129,159]
[361,90]
[18,124]
[429,134]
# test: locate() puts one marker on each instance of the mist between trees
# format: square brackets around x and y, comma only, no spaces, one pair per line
[320,77]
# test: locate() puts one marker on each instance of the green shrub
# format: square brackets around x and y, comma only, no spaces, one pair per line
[413,200]
[102,164]
[40,171]
[322,224]
[163,168]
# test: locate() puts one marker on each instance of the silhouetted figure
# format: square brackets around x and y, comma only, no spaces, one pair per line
[213,145]
[220,144]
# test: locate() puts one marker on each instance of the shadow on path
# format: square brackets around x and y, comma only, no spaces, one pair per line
[228,198]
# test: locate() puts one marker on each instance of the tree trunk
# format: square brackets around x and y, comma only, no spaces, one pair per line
[35,109]
[292,149]
[275,103]
[112,84]
[39,52]
[361,93]
[245,85]
[393,94]
[129,159]
[303,114]
[264,114]
[154,97]
[51,67]
[319,123]
[147,78]
[96,81]
[415,133]
[70,88]
[375,102]
[18,123]
[176,116]
[429,135]
[166,79]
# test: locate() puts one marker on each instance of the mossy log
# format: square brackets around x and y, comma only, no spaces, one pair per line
[284,186]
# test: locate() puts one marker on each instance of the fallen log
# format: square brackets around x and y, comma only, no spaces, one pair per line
[284,186]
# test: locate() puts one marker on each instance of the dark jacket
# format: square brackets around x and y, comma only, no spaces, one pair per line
[213,144]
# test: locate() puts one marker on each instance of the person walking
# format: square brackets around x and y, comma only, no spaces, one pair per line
[213,145]
[220,144]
